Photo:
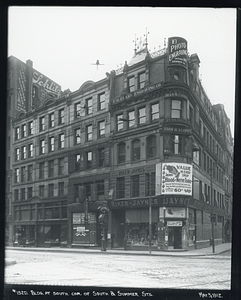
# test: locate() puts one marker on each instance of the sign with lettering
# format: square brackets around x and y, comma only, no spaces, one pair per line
[22,87]
[174,223]
[177,51]
[176,129]
[176,179]
[175,212]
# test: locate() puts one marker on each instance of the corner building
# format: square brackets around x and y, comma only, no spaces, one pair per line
[169,146]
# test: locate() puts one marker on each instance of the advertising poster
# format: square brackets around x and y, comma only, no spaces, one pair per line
[177,51]
[176,179]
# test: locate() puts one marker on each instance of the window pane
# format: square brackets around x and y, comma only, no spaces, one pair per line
[131,118]
[155,111]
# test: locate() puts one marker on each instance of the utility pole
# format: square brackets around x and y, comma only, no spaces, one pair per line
[150,217]
[211,202]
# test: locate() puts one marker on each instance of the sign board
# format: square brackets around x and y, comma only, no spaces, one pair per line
[175,212]
[176,179]
[177,51]
[174,223]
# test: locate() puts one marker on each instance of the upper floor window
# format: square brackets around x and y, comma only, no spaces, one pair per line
[135,186]
[23,194]
[16,195]
[51,120]
[61,116]
[89,133]
[23,174]
[131,118]
[101,128]
[51,190]
[77,109]
[24,131]
[141,80]
[89,159]
[61,188]
[77,162]
[30,128]
[17,175]
[41,170]
[120,187]
[101,101]
[131,84]
[41,123]
[119,122]
[61,141]
[30,172]
[176,144]
[150,183]
[121,153]
[51,168]
[61,166]
[42,147]
[24,152]
[191,114]
[100,188]
[142,115]
[77,136]
[17,133]
[151,146]
[155,111]
[101,157]
[30,192]
[176,109]
[17,154]
[89,106]
[51,144]
[41,191]
[30,150]
[136,150]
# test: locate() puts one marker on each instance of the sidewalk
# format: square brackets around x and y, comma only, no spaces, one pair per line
[196,252]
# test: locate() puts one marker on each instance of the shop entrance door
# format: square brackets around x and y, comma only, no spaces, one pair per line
[177,237]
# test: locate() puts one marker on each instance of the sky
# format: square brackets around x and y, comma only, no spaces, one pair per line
[65,42]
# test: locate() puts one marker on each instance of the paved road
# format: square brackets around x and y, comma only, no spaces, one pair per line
[112,270]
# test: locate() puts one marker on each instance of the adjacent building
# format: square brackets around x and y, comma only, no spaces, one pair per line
[145,143]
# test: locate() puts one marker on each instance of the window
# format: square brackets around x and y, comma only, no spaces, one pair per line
[131,84]
[89,106]
[155,111]
[17,175]
[17,133]
[101,101]
[119,122]
[30,128]
[150,181]
[151,146]
[41,170]
[22,194]
[61,141]
[87,189]
[176,109]
[61,166]
[141,80]
[131,119]
[51,168]
[77,109]
[142,115]
[30,150]
[30,192]
[77,162]
[51,144]
[89,133]
[51,120]
[51,190]
[120,187]
[16,195]
[101,156]
[101,128]
[191,115]
[100,188]
[121,153]
[89,159]
[17,154]
[61,116]
[77,136]
[24,152]
[135,150]
[42,147]
[24,132]
[23,174]
[30,172]
[176,144]
[135,184]
[41,191]
[41,123]
[61,189]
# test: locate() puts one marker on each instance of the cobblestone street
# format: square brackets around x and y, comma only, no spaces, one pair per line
[114,270]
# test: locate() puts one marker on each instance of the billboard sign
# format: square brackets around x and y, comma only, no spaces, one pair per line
[21,87]
[176,179]
[177,51]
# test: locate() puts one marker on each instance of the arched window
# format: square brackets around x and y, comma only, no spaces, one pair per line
[121,153]
[151,146]
[136,150]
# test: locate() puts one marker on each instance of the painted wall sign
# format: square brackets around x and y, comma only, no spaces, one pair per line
[21,87]
[174,223]
[177,51]
[175,94]
[137,93]
[176,179]
[176,129]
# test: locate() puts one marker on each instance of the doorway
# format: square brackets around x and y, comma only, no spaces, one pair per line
[175,237]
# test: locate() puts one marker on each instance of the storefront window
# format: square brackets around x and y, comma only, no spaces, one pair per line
[138,234]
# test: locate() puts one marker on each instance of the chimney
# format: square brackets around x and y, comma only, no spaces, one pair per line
[29,63]
[195,61]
